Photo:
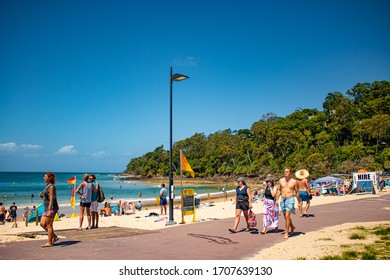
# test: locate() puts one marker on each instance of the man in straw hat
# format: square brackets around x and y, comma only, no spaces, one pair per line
[289,189]
[304,191]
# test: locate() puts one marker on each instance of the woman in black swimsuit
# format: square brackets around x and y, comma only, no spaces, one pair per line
[51,208]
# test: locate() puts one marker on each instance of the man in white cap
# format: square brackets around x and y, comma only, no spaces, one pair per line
[288,188]
[304,191]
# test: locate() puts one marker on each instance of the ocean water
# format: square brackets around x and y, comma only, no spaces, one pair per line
[19,186]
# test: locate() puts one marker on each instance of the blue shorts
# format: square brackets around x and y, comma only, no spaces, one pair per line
[287,204]
[163,201]
[304,196]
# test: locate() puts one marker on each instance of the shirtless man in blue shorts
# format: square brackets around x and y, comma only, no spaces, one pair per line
[304,191]
[288,190]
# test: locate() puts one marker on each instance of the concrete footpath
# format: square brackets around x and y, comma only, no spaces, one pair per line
[209,240]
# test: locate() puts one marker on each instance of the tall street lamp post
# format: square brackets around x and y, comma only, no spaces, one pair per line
[175,77]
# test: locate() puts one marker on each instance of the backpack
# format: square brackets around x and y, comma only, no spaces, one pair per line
[252,219]
[100,196]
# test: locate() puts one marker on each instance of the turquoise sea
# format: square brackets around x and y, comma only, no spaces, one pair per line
[19,186]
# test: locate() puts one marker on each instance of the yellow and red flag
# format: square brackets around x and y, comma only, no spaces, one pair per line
[72,198]
[185,165]
[72,180]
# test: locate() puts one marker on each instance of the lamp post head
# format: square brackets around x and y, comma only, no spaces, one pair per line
[178,77]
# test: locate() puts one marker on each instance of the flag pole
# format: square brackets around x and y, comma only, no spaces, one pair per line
[181,170]
[74,197]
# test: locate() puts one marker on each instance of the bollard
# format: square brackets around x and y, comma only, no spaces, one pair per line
[36,217]
[26,210]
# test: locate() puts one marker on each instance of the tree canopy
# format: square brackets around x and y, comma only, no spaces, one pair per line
[350,133]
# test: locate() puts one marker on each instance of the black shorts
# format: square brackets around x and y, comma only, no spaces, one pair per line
[85,204]
[242,205]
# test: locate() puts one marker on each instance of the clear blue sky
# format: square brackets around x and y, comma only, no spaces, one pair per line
[84,85]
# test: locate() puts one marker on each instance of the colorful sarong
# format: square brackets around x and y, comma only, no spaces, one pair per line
[270,214]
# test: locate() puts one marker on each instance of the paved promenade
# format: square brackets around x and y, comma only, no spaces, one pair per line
[198,241]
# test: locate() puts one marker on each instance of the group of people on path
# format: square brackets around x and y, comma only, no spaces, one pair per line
[286,191]
[275,196]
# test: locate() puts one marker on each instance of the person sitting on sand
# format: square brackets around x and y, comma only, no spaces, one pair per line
[131,209]
[122,205]
[106,211]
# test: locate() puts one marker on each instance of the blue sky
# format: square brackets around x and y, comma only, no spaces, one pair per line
[84,85]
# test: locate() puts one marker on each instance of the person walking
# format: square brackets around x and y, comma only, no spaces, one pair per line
[163,199]
[304,191]
[270,206]
[50,203]
[85,192]
[243,204]
[289,189]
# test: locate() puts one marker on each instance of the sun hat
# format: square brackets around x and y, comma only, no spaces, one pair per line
[269,178]
[302,174]
[241,179]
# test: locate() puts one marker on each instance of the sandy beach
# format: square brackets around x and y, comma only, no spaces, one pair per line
[220,209]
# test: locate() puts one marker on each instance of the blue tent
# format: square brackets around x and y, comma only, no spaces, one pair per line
[40,210]
[328,179]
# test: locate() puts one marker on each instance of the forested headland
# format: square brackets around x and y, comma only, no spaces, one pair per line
[350,133]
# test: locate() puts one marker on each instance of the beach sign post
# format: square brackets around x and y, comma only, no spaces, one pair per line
[188,204]
[187,195]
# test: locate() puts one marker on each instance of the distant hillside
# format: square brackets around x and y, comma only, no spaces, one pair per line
[350,133]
